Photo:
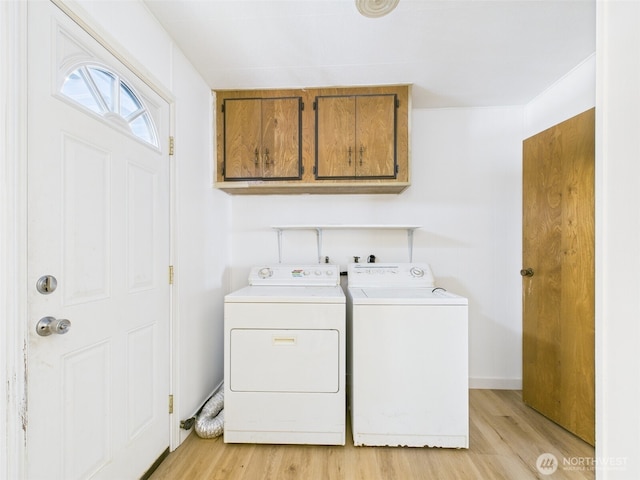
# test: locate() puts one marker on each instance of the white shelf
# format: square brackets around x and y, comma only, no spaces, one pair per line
[320,228]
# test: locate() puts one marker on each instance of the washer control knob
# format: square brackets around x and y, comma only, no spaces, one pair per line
[416,272]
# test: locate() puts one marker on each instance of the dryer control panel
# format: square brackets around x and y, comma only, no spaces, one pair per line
[291,275]
[390,275]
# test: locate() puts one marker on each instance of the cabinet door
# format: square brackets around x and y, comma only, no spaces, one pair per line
[375,136]
[242,145]
[335,136]
[280,153]
[356,136]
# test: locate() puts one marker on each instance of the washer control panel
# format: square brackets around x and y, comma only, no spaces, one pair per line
[390,275]
[292,275]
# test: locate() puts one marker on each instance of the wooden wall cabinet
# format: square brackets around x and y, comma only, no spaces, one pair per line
[335,140]
[356,136]
[262,138]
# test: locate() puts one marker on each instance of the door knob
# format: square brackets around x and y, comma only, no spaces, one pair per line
[526,272]
[48,325]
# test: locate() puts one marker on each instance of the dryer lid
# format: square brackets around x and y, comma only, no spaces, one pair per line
[286,294]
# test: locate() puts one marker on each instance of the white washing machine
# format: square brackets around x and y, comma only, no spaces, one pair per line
[285,357]
[407,366]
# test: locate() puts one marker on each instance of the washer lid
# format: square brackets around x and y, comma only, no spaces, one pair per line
[405,296]
[286,294]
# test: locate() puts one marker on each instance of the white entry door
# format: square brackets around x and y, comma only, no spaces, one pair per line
[98,227]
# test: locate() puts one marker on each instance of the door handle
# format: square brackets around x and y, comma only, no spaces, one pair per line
[48,325]
[527,272]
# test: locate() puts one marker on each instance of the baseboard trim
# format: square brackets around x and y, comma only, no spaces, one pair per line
[484,383]
[156,464]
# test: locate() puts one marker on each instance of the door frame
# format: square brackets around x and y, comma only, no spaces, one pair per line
[13,222]
[13,235]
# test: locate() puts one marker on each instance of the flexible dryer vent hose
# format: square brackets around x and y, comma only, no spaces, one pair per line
[210,421]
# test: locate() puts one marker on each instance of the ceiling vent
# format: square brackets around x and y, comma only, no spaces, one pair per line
[376,8]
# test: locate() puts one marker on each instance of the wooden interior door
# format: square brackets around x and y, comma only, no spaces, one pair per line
[335,141]
[375,136]
[242,138]
[281,153]
[558,274]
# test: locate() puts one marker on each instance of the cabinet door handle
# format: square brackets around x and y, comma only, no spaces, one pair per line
[257,157]
[361,152]
[266,157]
[349,156]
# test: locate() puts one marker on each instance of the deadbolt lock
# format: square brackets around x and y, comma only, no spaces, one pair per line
[46,284]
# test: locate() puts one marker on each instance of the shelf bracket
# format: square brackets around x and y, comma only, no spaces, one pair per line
[279,230]
[319,240]
[410,240]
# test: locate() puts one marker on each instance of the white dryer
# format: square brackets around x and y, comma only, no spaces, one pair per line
[407,366]
[285,357]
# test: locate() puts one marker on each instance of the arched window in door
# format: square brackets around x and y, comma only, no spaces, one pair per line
[106,94]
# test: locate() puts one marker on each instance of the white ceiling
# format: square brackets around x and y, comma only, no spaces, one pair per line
[453,52]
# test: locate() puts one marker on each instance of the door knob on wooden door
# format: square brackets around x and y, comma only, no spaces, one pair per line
[527,272]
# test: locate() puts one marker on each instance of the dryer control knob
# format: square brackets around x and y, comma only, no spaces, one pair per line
[265,272]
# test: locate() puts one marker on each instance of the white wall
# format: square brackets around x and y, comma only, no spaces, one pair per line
[466,195]
[618,240]
[201,214]
[201,254]
[572,94]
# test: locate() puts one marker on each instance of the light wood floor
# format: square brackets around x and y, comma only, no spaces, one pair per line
[506,438]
